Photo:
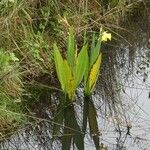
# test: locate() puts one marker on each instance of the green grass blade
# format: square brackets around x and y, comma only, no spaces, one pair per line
[93,41]
[71,49]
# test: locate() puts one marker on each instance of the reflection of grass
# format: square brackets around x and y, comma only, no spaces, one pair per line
[10,102]
[10,115]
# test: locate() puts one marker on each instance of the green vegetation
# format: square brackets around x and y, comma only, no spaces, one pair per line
[11,88]
[28,30]
[94,63]
[70,71]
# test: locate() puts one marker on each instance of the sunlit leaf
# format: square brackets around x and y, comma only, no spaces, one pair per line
[13,57]
[95,52]
[67,70]
[81,64]
[70,80]
[59,67]
[94,73]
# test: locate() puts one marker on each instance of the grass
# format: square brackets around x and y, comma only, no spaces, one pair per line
[27,33]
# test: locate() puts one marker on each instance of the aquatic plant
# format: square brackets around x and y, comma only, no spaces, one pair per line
[92,70]
[70,71]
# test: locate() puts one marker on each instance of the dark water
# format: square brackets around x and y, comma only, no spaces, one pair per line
[116,116]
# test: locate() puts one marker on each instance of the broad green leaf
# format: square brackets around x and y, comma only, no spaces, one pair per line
[67,70]
[86,78]
[71,49]
[70,81]
[81,65]
[95,52]
[94,73]
[59,67]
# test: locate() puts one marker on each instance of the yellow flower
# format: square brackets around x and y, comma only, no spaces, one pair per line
[106,36]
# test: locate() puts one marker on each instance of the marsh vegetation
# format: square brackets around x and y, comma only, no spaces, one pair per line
[79,92]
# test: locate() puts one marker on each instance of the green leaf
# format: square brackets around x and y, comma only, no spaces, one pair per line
[81,65]
[13,57]
[95,51]
[59,64]
[86,78]
[71,49]
[93,74]
[67,70]
[70,81]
